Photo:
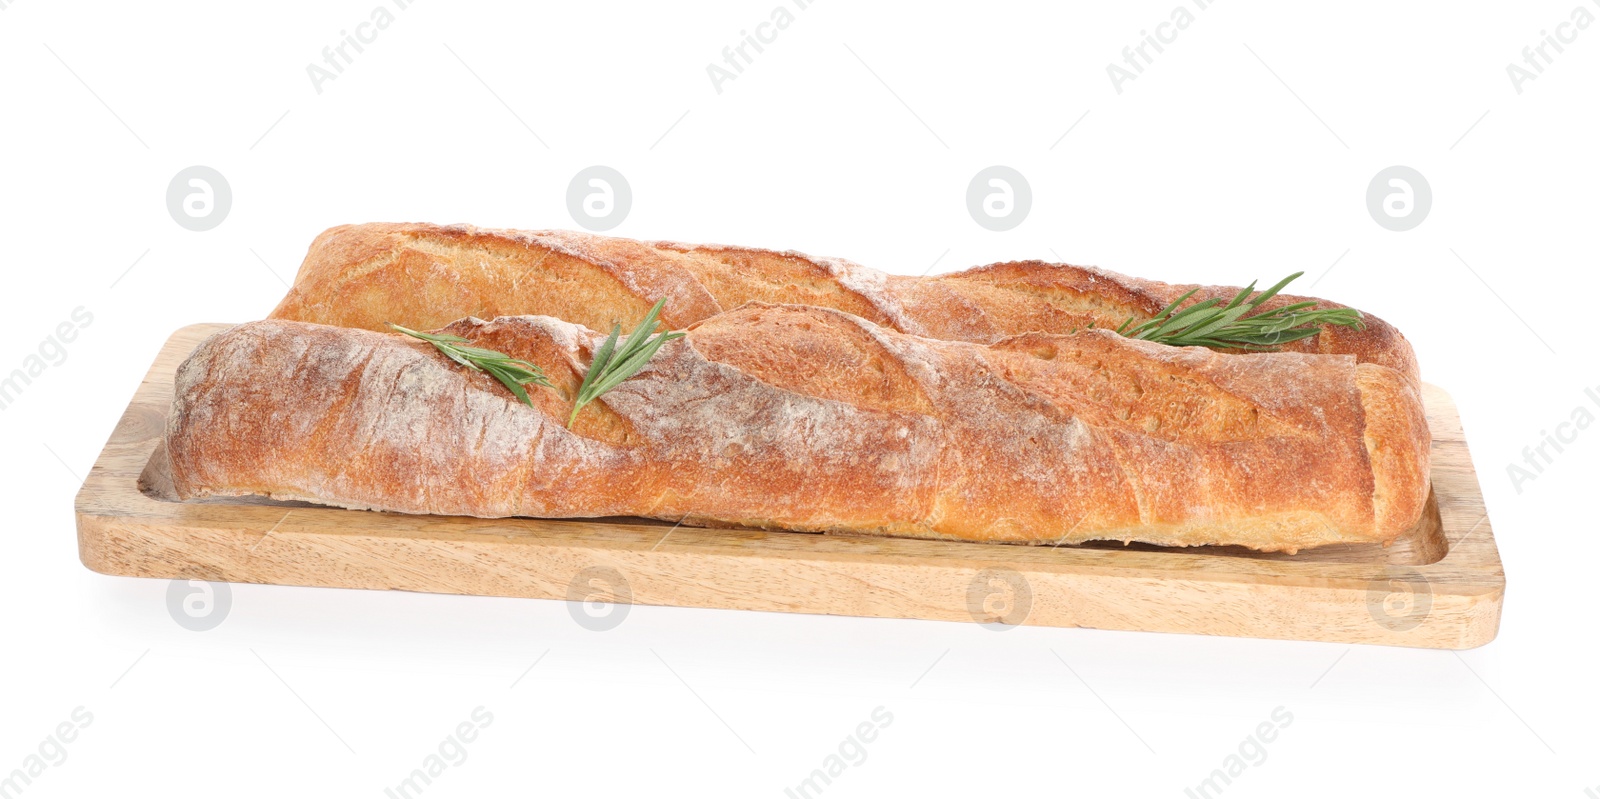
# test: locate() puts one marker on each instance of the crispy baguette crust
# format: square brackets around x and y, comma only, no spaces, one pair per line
[803,418]
[425,276]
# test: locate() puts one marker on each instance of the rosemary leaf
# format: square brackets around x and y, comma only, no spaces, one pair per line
[513,373]
[1210,323]
[613,364]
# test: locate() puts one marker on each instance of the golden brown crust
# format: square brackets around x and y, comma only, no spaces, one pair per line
[1397,441]
[1108,298]
[426,275]
[803,418]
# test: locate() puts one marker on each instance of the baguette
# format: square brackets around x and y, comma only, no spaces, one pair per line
[809,419]
[426,276]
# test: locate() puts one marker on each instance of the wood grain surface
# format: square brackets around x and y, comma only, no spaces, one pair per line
[1441,586]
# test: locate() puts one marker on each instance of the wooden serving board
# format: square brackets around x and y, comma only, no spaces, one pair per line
[1441,586]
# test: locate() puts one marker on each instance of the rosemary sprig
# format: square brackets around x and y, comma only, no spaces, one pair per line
[513,372]
[1230,326]
[612,365]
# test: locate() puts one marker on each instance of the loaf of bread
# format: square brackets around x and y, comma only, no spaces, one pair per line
[809,419]
[425,276]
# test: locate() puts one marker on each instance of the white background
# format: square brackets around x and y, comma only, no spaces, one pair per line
[855,134]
